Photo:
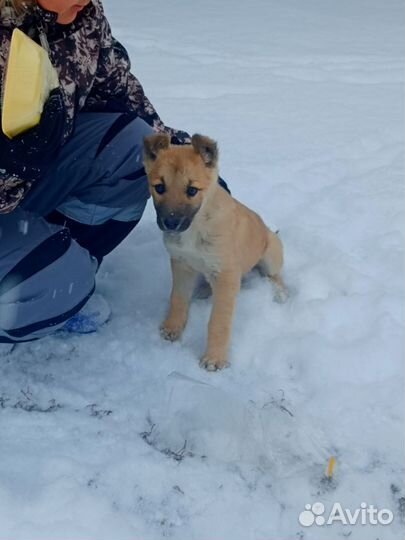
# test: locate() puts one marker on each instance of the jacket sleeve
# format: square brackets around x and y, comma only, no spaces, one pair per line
[117,89]
[5,38]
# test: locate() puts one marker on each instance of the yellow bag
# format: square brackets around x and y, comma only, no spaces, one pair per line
[30,77]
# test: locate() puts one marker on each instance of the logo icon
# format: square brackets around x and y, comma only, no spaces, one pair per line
[312,514]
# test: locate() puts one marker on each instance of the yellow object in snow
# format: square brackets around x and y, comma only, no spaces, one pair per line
[331,467]
[30,77]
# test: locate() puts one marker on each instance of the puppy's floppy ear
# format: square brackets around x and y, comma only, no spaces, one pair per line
[153,144]
[207,148]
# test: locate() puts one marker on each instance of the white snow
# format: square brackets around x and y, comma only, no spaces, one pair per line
[120,435]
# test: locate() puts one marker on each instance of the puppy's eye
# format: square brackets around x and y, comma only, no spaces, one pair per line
[160,188]
[192,191]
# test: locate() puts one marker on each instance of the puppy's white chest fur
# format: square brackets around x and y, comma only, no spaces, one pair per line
[194,250]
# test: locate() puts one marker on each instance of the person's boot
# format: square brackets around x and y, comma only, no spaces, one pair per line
[94,314]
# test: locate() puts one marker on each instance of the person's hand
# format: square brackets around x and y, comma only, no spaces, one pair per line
[178,137]
[27,155]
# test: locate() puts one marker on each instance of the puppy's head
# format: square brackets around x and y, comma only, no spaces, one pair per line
[179,178]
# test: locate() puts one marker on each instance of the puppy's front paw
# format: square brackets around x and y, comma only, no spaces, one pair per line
[213,362]
[171,331]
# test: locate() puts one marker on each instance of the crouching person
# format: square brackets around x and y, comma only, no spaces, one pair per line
[72,188]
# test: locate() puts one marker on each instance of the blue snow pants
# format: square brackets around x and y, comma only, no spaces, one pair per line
[90,198]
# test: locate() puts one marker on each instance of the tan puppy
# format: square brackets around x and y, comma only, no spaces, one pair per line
[206,231]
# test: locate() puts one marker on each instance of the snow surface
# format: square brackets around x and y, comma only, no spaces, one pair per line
[120,435]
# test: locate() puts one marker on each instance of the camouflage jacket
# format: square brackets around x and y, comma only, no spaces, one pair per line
[94,73]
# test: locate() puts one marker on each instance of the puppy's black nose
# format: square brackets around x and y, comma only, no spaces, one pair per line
[171,223]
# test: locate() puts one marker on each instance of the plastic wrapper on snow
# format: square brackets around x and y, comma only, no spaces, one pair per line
[197,419]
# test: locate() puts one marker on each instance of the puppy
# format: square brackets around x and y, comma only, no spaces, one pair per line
[206,231]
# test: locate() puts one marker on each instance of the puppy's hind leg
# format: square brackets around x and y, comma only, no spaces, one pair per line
[183,284]
[271,264]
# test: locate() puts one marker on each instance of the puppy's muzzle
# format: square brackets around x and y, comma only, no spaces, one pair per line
[175,220]
[174,223]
